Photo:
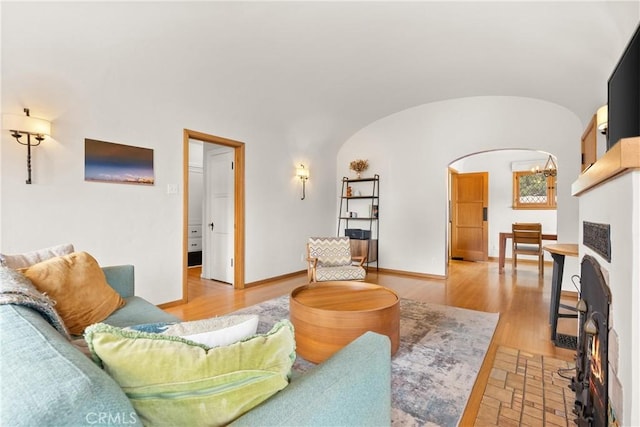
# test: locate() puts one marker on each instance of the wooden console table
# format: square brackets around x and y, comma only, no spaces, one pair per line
[503,246]
[558,252]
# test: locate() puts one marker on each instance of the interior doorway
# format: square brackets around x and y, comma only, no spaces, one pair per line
[501,166]
[237,191]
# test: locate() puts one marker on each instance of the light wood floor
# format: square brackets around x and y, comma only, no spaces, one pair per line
[521,298]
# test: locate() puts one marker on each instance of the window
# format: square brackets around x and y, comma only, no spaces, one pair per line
[533,191]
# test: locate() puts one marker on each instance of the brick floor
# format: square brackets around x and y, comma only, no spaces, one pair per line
[526,389]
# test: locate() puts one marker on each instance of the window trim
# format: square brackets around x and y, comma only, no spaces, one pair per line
[550,204]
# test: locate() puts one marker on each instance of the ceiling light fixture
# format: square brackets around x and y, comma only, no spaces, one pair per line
[303,174]
[550,168]
[20,126]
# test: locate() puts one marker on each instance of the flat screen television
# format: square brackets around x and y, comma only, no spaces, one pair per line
[624,94]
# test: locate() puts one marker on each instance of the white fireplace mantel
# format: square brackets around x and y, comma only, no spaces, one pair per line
[609,193]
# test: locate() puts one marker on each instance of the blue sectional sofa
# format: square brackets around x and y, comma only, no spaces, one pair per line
[47,381]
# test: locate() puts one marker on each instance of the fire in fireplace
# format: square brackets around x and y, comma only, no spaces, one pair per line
[591,380]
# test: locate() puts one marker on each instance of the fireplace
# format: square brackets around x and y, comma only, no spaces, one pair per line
[592,364]
[609,215]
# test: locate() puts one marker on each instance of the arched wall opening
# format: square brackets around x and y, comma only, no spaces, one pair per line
[500,165]
[412,149]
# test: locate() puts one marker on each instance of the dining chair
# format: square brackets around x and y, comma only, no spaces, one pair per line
[527,240]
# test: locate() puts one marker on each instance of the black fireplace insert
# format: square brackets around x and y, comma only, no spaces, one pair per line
[591,380]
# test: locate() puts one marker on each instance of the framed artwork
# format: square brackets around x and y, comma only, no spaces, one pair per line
[118,163]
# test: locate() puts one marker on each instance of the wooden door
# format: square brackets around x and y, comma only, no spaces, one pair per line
[469,227]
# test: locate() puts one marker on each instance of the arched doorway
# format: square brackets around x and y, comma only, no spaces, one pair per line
[500,165]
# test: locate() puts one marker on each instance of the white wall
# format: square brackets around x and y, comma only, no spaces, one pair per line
[617,203]
[115,95]
[142,225]
[412,149]
[500,213]
[92,82]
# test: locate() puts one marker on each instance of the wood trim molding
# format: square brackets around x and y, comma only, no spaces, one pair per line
[172,303]
[301,273]
[623,157]
[411,274]
[304,272]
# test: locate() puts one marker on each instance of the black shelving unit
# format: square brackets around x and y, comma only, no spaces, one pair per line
[359,209]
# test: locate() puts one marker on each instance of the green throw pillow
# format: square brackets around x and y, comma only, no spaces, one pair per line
[174,381]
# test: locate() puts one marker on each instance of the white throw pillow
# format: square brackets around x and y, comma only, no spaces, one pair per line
[213,332]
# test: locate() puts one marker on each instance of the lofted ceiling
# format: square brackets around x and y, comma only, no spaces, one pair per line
[322,68]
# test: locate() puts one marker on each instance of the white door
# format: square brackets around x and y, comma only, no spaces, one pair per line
[217,262]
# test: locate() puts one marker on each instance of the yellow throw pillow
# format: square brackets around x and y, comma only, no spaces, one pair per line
[173,381]
[78,285]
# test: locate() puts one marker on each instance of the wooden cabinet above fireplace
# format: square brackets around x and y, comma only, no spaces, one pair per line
[621,158]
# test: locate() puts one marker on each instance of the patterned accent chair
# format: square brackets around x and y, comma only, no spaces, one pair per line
[329,258]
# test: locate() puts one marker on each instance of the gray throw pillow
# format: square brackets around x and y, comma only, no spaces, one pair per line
[28,259]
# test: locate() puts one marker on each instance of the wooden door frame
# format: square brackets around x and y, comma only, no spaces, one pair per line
[450,172]
[239,209]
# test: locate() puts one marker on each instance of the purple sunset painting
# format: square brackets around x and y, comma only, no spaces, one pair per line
[110,162]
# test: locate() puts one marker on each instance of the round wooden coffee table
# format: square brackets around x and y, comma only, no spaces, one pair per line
[329,315]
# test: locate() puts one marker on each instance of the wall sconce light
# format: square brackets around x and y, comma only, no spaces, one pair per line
[303,174]
[602,119]
[20,126]
[550,168]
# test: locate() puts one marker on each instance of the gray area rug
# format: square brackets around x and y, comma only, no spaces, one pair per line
[433,372]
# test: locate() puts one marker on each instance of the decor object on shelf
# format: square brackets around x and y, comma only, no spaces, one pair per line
[602,119]
[20,126]
[359,166]
[550,168]
[303,174]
